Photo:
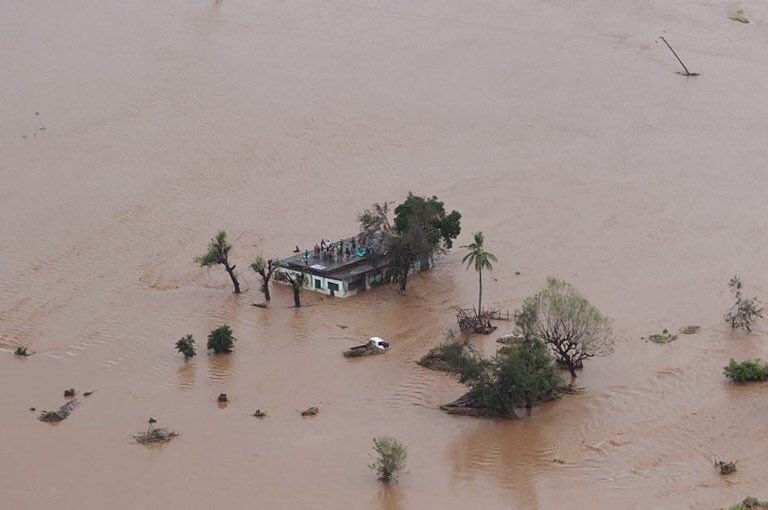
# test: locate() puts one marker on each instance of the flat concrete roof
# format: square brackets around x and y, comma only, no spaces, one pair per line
[338,267]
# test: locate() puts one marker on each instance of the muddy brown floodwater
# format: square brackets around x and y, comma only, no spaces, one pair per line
[131,131]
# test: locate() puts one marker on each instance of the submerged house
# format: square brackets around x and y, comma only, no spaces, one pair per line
[341,268]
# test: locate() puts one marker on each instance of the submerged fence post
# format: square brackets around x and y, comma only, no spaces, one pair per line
[687,72]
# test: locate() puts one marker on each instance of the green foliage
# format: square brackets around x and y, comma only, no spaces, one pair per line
[376,219]
[221,339]
[746,371]
[218,251]
[405,250]
[454,354]
[265,268]
[745,311]
[186,346]
[429,216]
[750,503]
[390,458]
[572,327]
[519,375]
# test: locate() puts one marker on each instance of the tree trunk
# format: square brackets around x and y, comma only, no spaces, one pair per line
[265,290]
[297,297]
[572,370]
[528,403]
[404,281]
[231,271]
[480,297]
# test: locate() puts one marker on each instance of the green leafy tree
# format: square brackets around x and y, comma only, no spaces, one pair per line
[745,311]
[186,346]
[480,259]
[390,458]
[218,253]
[405,251]
[376,220]
[521,374]
[429,215]
[572,327]
[265,269]
[221,340]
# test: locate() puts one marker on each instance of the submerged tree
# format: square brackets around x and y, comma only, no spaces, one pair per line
[428,215]
[376,220]
[521,374]
[480,259]
[745,311]
[390,458]
[405,251]
[218,253]
[265,269]
[186,346]
[572,327]
[221,340]
[297,282]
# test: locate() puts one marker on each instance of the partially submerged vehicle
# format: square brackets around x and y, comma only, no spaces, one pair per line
[374,346]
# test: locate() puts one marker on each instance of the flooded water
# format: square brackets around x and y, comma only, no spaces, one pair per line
[130,132]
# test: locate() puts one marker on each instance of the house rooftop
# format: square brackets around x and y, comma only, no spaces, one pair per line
[338,266]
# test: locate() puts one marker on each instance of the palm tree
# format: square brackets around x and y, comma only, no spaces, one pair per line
[480,259]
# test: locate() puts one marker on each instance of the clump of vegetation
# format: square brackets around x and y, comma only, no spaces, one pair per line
[70,393]
[662,338]
[690,330]
[390,458]
[739,16]
[218,253]
[726,467]
[522,374]
[745,311]
[60,414]
[746,371]
[450,355]
[186,346]
[422,228]
[154,434]
[22,351]
[569,324]
[310,411]
[221,340]
[750,503]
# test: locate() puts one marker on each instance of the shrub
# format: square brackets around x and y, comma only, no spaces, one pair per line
[749,503]
[221,339]
[186,346]
[746,371]
[390,460]
[451,355]
[745,311]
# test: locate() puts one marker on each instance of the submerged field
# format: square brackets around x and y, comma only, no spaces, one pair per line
[130,133]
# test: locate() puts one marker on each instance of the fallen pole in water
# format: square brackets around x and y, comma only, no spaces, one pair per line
[687,72]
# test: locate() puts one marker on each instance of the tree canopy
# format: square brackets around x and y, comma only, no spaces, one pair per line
[428,214]
[218,253]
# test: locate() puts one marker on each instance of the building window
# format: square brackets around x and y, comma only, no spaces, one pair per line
[333,286]
[318,284]
[355,284]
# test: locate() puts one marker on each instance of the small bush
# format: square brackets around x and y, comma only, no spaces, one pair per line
[221,339]
[746,371]
[749,503]
[186,346]
[745,311]
[390,460]
[450,355]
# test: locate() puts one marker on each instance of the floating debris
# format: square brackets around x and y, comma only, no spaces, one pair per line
[22,351]
[662,338]
[88,393]
[726,467]
[259,414]
[70,393]
[60,414]
[154,435]
[739,16]
[310,411]
[690,330]
[223,398]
